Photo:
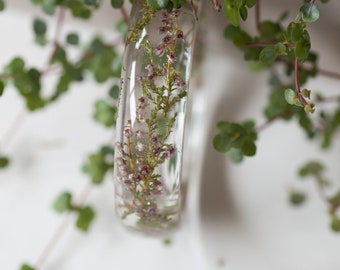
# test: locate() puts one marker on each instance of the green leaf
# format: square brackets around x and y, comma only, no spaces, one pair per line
[39,28]
[297,198]
[313,168]
[2,5]
[302,47]
[249,148]
[291,97]
[335,200]
[63,203]
[309,12]
[269,30]
[295,31]
[117,3]
[72,39]
[335,224]
[243,13]
[91,2]
[105,113]
[222,143]
[236,155]
[250,3]
[26,267]
[167,242]
[157,4]
[4,162]
[85,218]
[268,55]
[114,92]
[2,87]
[98,164]
[231,12]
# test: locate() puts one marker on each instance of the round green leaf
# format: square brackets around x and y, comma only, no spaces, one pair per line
[221,142]
[114,92]
[2,87]
[91,2]
[335,224]
[236,155]
[72,39]
[157,4]
[309,12]
[2,5]
[117,3]
[105,113]
[63,203]
[26,267]
[4,162]
[296,198]
[85,217]
[39,27]
[249,148]
[291,97]
[268,55]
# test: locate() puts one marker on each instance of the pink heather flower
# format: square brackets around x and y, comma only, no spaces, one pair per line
[163,29]
[150,69]
[128,132]
[123,170]
[171,57]
[169,152]
[180,34]
[140,133]
[164,14]
[175,12]
[119,148]
[120,161]
[159,50]
[167,39]
[179,82]
[155,139]
[156,150]
[140,147]
[144,169]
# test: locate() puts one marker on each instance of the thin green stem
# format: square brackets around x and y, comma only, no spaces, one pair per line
[61,229]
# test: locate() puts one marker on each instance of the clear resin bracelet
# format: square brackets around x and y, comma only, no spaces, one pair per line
[152,112]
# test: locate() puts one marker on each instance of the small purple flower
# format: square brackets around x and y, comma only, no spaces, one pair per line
[149,67]
[140,147]
[169,152]
[138,178]
[179,34]
[128,132]
[164,14]
[159,50]
[156,150]
[119,148]
[172,57]
[167,39]
[144,169]
[120,161]
[155,139]
[140,133]
[175,12]
[163,29]
[179,82]
[123,170]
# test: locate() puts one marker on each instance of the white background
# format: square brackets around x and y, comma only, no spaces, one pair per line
[237,216]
